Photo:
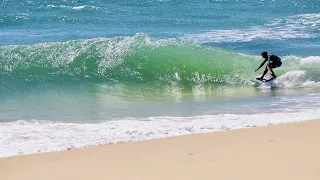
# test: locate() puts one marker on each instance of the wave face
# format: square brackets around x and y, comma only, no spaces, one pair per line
[129,59]
[138,59]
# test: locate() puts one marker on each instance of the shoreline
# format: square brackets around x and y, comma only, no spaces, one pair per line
[30,137]
[281,151]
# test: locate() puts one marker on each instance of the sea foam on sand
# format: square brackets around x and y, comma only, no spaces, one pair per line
[27,137]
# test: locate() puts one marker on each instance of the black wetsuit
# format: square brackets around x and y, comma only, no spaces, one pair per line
[274,61]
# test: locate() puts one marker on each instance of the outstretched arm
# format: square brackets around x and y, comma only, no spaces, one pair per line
[261,64]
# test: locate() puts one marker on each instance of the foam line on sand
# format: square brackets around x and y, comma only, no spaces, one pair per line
[283,151]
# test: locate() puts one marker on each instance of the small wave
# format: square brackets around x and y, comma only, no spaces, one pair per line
[299,26]
[245,35]
[53,6]
[72,7]
[303,21]
[78,7]
[18,18]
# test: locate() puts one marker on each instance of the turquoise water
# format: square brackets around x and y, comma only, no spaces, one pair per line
[287,27]
[124,71]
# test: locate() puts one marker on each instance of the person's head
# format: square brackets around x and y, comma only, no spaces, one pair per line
[264,54]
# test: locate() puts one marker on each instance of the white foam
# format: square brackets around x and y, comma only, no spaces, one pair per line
[26,137]
[51,6]
[311,60]
[298,26]
[244,35]
[294,78]
[78,7]
[298,21]
[85,6]
[72,7]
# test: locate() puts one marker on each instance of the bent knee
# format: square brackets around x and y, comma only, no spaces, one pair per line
[269,67]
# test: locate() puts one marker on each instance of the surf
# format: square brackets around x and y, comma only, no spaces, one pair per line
[138,59]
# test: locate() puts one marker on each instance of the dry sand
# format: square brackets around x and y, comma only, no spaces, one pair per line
[279,152]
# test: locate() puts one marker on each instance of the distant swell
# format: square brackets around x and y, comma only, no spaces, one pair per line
[299,26]
[136,59]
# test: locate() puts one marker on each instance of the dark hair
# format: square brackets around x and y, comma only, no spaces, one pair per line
[264,52]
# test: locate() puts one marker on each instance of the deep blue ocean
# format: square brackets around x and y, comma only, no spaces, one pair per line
[75,73]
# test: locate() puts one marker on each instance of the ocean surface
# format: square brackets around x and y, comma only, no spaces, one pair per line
[77,73]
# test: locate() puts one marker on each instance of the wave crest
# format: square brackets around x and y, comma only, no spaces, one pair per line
[137,59]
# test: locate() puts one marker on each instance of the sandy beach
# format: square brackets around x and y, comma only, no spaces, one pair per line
[284,151]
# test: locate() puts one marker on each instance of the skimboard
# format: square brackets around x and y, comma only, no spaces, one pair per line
[267,78]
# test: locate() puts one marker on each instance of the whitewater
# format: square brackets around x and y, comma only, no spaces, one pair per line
[81,73]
